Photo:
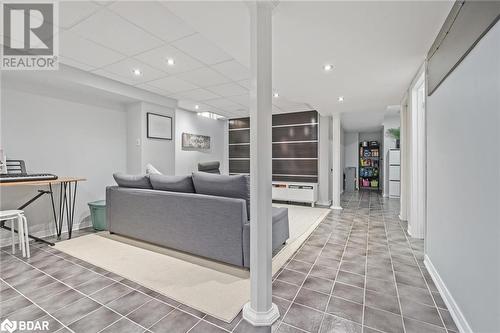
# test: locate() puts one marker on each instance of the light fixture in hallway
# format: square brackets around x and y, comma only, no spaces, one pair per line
[137,72]
[170,61]
[276,95]
[328,67]
[196,107]
[341,99]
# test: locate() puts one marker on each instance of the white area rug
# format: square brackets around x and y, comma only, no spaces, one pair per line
[212,287]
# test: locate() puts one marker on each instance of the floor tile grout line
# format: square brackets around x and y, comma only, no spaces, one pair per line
[366,275]
[425,280]
[88,296]
[394,275]
[36,304]
[307,275]
[337,273]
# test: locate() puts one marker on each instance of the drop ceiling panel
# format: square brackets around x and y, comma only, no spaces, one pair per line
[233,70]
[228,89]
[72,12]
[222,103]
[203,77]
[241,99]
[202,49]
[154,18]
[125,67]
[152,89]
[158,58]
[199,95]
[113,76]
[172,84]
[86,52]
[74,63]
[109,29]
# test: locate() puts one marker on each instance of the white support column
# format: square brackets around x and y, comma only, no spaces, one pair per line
[337,167]
[260,311]
[404,162]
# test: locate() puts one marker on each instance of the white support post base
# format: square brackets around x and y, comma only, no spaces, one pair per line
[337,167]
[336,207]
[255,318]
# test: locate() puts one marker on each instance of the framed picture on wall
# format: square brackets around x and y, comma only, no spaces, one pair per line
[159,126]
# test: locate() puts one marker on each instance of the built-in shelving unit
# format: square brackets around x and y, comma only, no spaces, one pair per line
[294,154]
[369,165]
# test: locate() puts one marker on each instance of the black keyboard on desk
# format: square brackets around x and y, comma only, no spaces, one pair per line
[25,177]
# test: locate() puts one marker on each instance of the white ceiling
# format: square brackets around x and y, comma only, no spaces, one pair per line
[375,47]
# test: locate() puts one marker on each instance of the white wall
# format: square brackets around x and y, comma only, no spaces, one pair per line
[463,178]
[351,148]
[142,150]
[390,121]
[65,138]
[186,161]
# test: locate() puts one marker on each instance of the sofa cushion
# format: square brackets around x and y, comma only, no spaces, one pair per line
[223,186]
[134,181]
[172,183]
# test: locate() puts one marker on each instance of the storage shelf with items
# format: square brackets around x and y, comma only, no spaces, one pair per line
[369,165]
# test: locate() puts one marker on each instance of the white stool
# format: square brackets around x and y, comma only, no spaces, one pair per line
[22,229]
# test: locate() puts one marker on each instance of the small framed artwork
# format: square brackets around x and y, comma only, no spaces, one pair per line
[159,126]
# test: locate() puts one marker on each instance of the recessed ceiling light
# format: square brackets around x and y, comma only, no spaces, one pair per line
[328,67]
[341,99]
[170,61]
[197,107]
[137,72]
[276,95]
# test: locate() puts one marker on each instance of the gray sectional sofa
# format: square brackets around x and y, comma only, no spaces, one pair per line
[206,215]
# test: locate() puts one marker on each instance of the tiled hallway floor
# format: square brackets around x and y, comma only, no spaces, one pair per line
[357,272]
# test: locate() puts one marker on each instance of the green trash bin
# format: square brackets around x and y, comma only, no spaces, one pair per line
[98,214]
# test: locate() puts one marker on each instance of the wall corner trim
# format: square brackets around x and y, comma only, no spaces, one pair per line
[457,315]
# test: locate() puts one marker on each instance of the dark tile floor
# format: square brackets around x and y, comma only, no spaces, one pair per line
[358,272]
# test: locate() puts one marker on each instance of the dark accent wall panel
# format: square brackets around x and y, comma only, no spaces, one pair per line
[292,161]
[295,179]
[239,123]
[239,151]
[295,133]
[240,136]
[306,117]
[295,167]
[295,150]
[239,166]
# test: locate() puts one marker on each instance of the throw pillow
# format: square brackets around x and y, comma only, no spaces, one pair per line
[134,181]
[172,183]
[224,186]
[151,170]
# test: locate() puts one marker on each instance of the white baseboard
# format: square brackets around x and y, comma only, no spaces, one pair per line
[455,312]
[336,207]
[326,203]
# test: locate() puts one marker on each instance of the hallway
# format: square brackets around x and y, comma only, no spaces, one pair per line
[360,270]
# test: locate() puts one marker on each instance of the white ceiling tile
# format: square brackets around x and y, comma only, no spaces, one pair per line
[222,103]
[85,51]
[72,12]
[172,84]
[244,83]
[75,63]
[203,77]
[202,49]
[233,70]
[241,99]
[113,76]
[158,58]
[228,89]
[199,95]
[154,18]
[152,89]
[109,29]
[125,68]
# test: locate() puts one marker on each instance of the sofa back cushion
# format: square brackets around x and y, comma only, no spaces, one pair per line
[223,186]
[134,181]
[172,183]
